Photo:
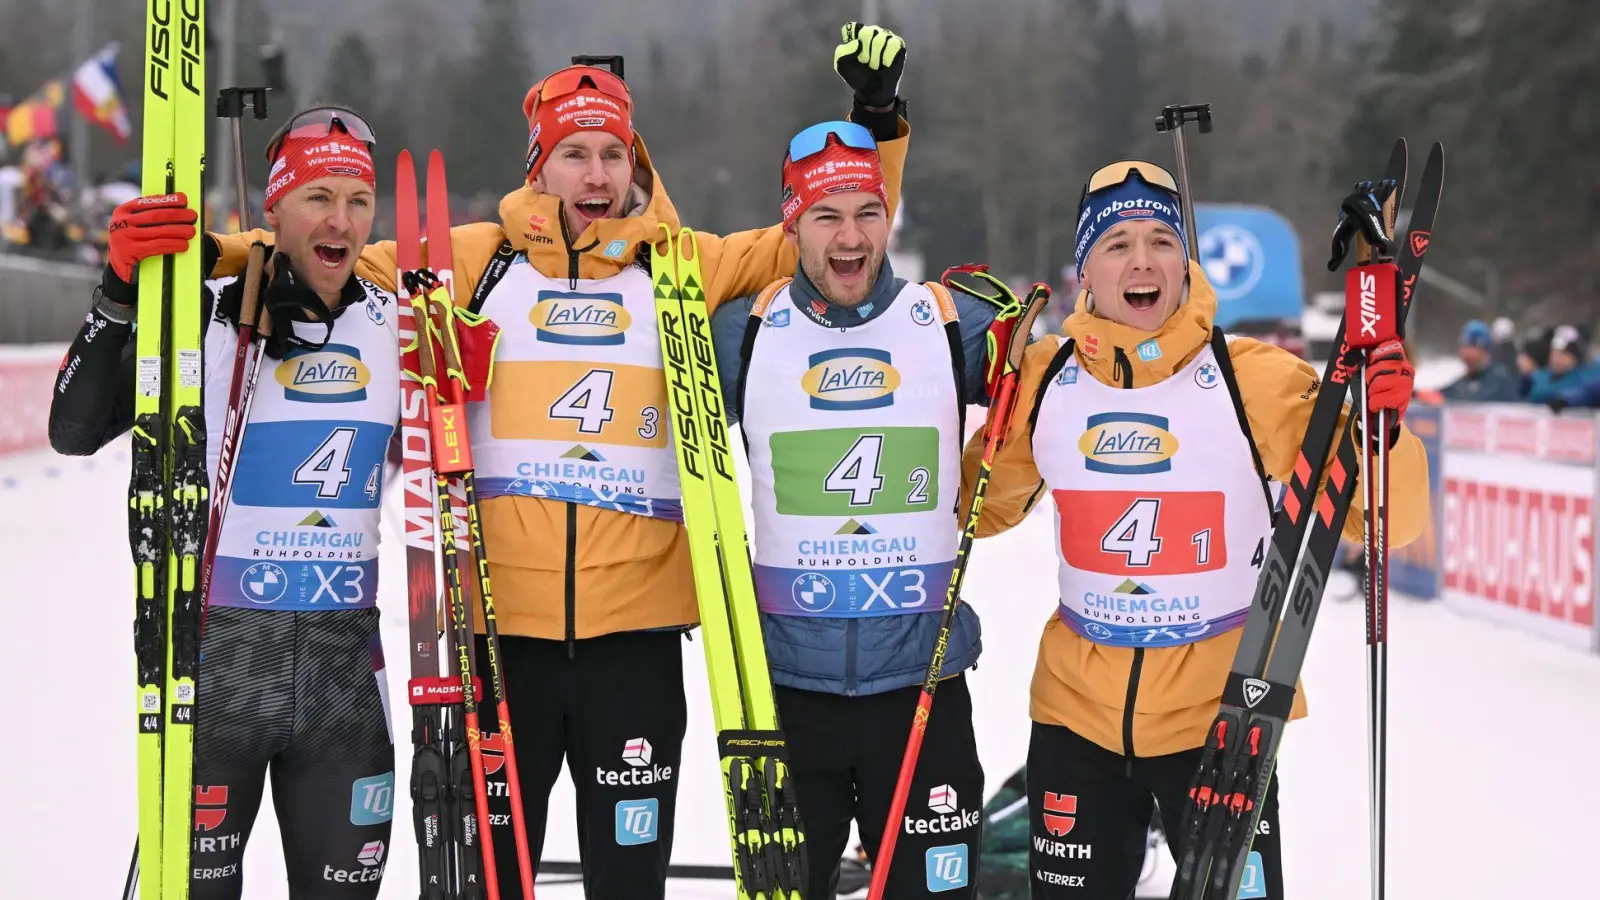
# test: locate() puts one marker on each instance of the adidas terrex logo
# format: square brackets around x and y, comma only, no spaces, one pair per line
[942,799]
[636,753]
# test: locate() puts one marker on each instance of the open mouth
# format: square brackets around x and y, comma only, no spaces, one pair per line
[593,208]
[332,255]
[1143,297]
[847,265]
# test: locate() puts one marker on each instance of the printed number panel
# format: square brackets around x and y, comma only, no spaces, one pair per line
[851,471]
[1143,533]
[323,464]
[570,401]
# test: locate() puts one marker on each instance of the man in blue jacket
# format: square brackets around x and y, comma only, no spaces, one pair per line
[852,387]
[1486,380]
[1567,373]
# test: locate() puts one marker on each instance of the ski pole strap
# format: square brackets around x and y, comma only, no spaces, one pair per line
[492,275]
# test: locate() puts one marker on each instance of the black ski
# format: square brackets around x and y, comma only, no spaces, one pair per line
[1241,748]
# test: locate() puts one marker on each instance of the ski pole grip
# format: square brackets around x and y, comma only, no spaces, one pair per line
[1370,307]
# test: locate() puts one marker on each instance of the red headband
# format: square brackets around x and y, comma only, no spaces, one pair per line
[552,121]
[836,170]
[304,160]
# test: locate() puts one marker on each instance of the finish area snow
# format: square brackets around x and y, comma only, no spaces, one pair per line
[1493,734]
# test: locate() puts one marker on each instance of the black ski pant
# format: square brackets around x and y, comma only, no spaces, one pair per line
[844,755]
[613,708]
[1089,809]
[296,694]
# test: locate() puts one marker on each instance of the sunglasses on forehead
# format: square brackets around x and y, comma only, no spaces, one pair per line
[1119,172]
[565,81]
[320,123]
[814,140]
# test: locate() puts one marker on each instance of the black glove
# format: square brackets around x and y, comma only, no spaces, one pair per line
[1557,403]
[871,59]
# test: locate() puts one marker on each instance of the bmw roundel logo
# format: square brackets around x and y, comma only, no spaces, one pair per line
[1232,259]
[812,592]
[1207,376]
[922,312]
[264,583]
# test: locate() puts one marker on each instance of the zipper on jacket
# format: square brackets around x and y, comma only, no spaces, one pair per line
[1122,370]
[1127,712]
[572,252]
[572,579]
[852,631]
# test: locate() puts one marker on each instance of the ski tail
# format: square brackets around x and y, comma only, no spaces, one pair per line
[1235,776]
[447,318]
[433,816]
[996,424]
[767,836]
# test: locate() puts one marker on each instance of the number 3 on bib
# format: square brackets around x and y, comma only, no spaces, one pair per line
[1155,533]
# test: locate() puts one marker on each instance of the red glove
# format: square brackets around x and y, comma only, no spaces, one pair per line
[146,227]
[1390,382]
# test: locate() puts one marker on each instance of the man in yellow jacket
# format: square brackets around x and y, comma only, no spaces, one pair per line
[1154,436]
[581,514]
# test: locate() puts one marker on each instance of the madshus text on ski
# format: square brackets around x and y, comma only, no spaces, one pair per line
[556,393]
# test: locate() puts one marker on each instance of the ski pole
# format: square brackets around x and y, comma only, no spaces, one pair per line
[995,426]
[231,103]
[1172,119]
[1372,292]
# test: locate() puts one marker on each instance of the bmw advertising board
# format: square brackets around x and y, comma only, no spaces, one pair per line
[1251,255]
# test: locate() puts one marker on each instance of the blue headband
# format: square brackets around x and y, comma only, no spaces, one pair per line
[1131,200]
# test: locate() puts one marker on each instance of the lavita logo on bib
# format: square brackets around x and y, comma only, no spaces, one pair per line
[850,379]
[334,374]
[1127,443]
[575,317]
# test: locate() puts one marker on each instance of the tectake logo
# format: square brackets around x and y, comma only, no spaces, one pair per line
[636,753]
[334,374]
[950,817]
[778,318]
[574,317]
[851,379]
[1067,375]
[1127,443]
[370,860]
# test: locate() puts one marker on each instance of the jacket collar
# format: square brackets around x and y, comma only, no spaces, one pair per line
[1126,357]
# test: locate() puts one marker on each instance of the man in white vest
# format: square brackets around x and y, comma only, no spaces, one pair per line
[852,386]
[292,676]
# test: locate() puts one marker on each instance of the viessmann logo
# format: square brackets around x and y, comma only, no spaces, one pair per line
[851,378]
[334,374]
[570,317]
[1126,443]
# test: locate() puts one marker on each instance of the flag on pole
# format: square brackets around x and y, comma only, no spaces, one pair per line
[35,119]
[97,93]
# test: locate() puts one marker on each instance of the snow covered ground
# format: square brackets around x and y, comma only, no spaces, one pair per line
[1493,734]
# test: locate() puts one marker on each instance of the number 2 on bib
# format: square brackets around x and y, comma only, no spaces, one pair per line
[1133,533]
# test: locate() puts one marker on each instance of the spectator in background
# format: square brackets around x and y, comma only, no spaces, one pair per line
[1486,380]
[1532,355]
[1569,368]
[1503,343]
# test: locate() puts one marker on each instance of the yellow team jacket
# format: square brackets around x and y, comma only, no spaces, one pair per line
[615,571]
[1163,699]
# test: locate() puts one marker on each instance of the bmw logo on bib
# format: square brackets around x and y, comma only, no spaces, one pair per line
[922,312]
[264,583]
[1206,376]
[812,592]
